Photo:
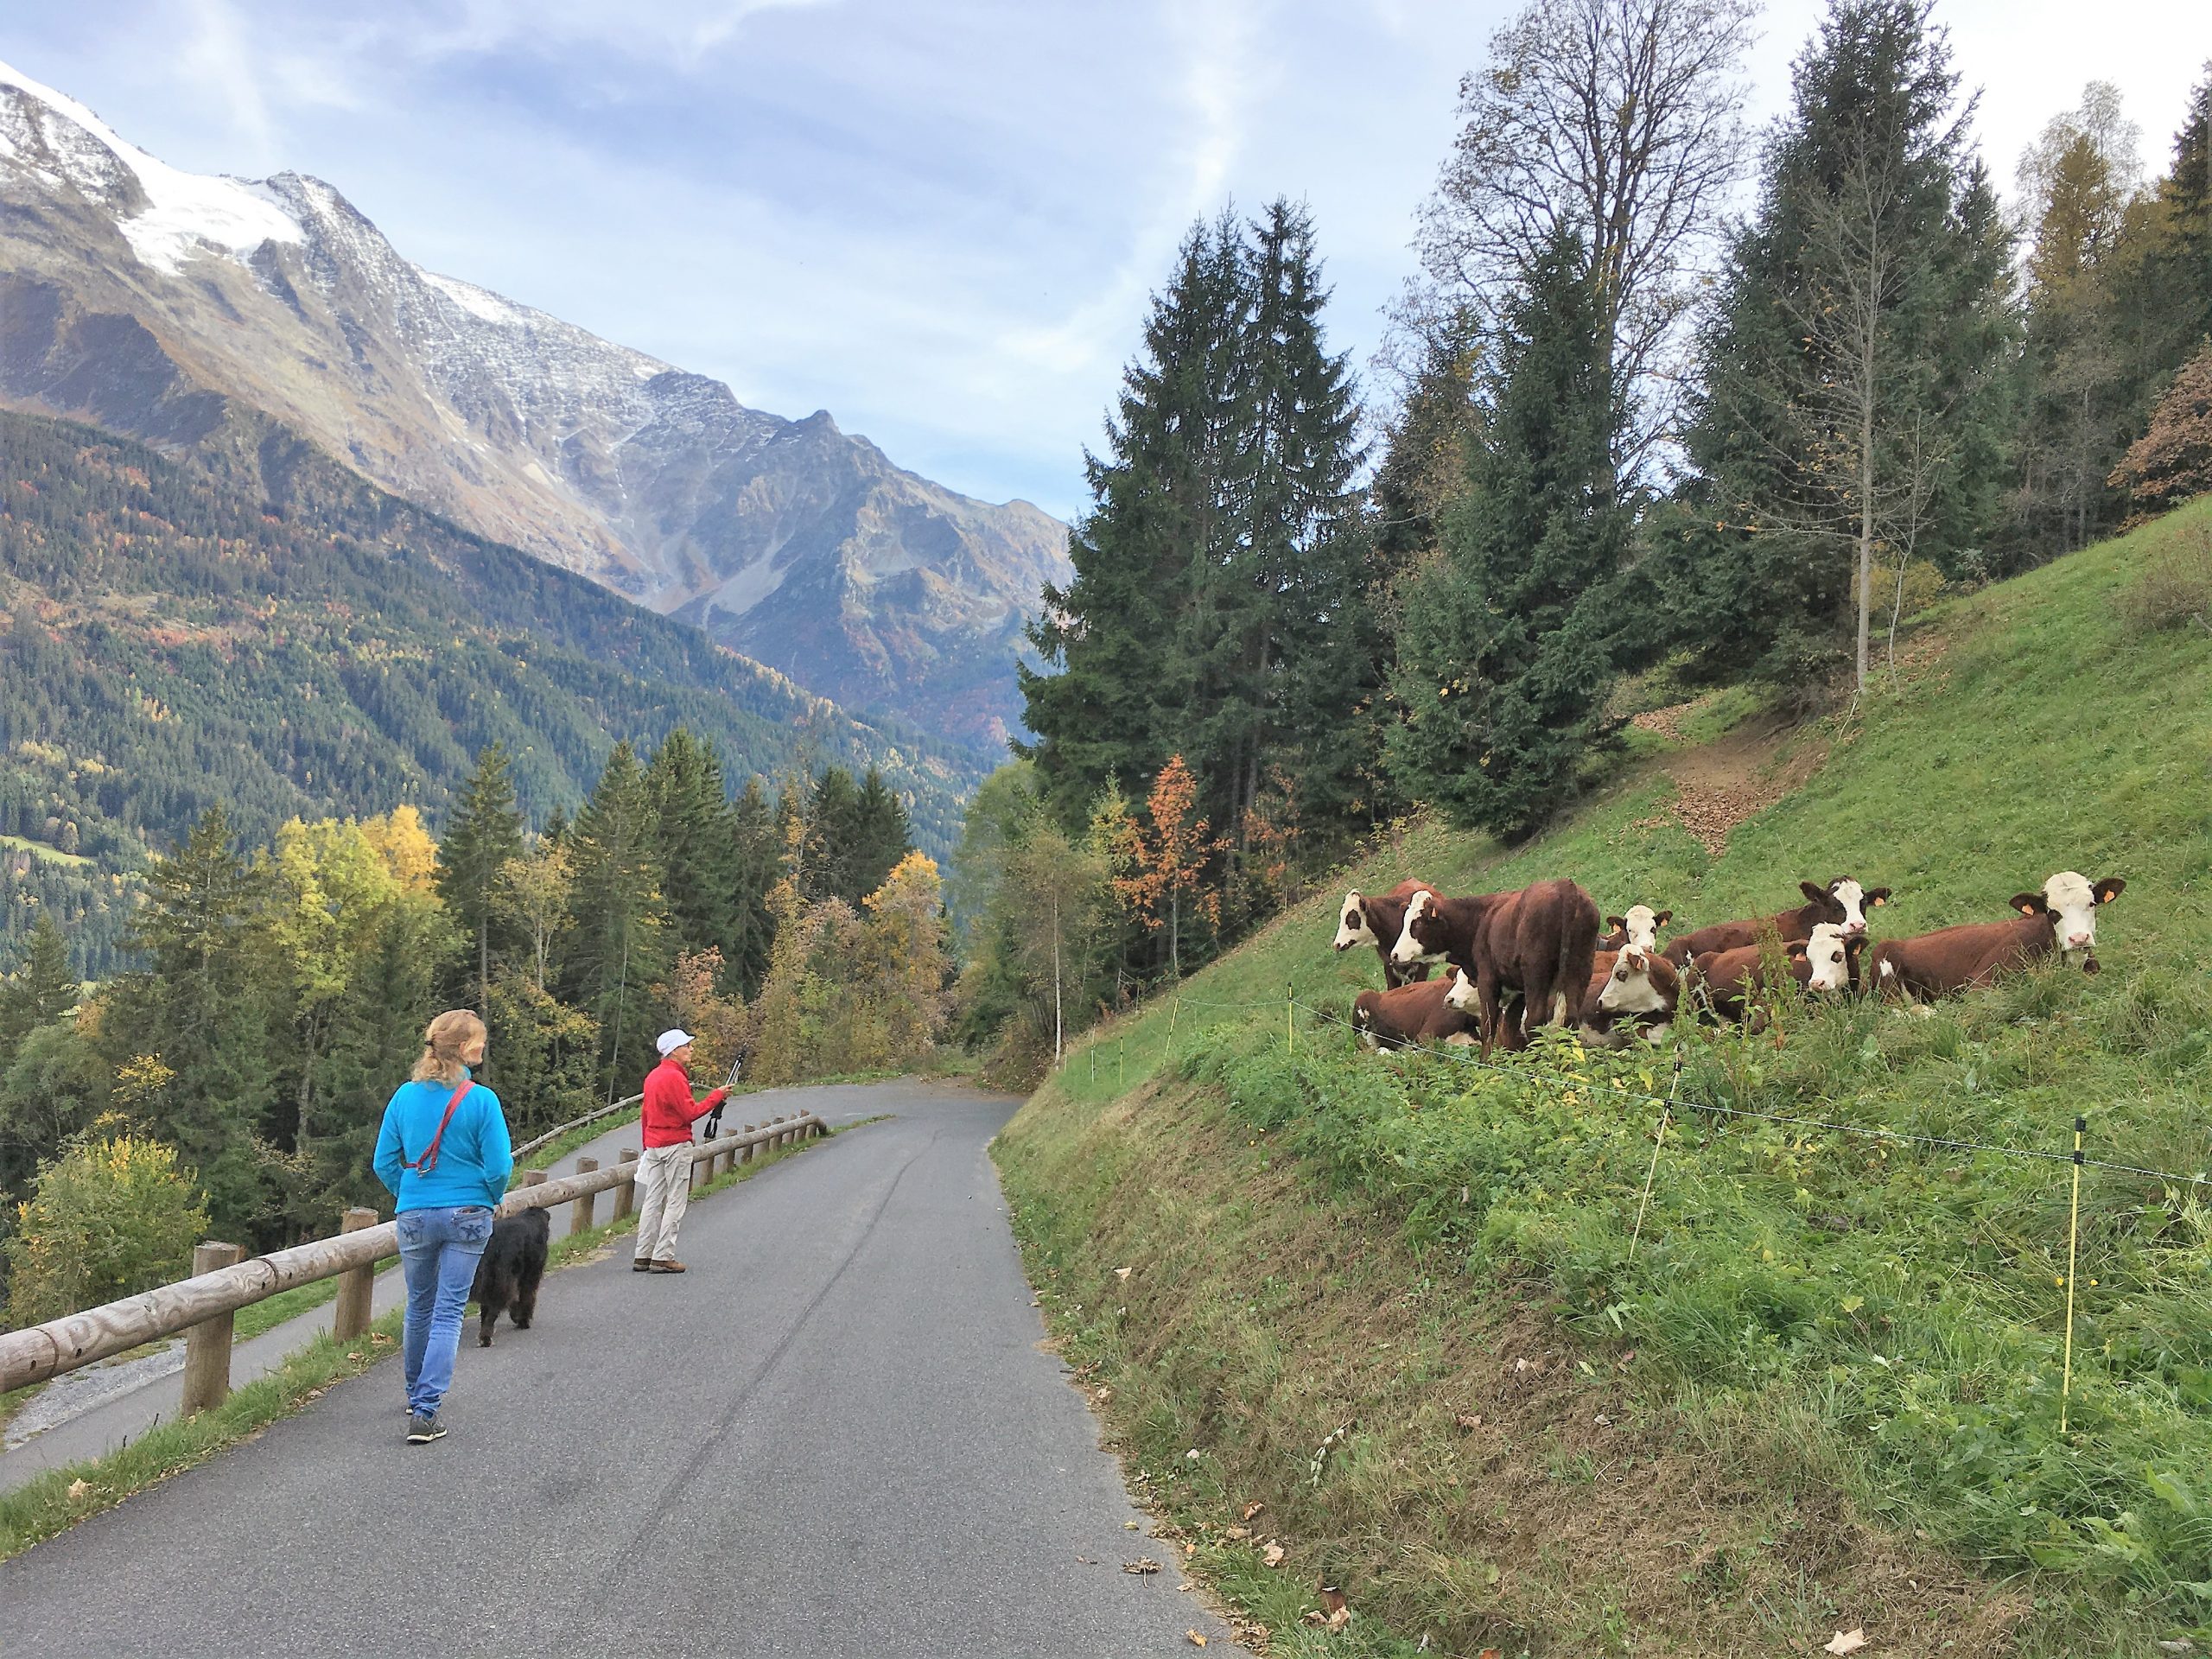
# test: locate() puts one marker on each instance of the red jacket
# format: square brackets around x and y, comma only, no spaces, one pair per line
[668,1112]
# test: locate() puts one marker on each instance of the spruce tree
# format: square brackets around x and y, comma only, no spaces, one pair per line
[619,945]
[1505,644]
[755,867]
[484,832]
[832,826]
[1863,319]
[881,835]
[693,829]
[188,1033]
[42,990]
[1128,644]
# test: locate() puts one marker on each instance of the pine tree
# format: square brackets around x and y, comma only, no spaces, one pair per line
[832,826]
[694,831]
[619,945]
[1506,643]
[1848,369]
[484,832]
[188,1033]
[755,866]
[40,992]
[1125,643]
[880,834]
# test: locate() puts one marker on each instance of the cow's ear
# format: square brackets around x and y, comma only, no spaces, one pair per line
[2029,903]
[1817,895]
[1618,922]
[1662,919]
[2109,889]
[1877,895]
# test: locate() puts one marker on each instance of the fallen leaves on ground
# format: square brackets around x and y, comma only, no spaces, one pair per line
[78,1489]
[1251,1509]
[1846,1641]
[1233,1534]
[1194,1639]
[1469,1420]
[1142,1565]
[1121,1272]
[1272,1555]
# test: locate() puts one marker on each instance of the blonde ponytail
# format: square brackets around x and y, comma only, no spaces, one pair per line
[446,1038]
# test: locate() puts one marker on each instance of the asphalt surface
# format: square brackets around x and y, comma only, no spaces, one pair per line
[837,1434]
[89,1413]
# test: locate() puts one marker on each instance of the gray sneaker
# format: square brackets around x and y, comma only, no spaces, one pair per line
[422,1429]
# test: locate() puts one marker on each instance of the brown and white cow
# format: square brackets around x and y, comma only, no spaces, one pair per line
[1537,942]
[2061,916]
[1376,919]
[1412,1014]
[1843,903]
[1636,995]
[1826,964]
[1639,927]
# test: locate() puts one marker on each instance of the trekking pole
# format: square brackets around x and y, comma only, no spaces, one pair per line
[715,1117]
[1666,1114]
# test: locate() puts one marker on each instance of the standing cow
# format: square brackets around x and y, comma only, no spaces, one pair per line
[1376,919]
[2061,916]
[1537,943]
[1843,904]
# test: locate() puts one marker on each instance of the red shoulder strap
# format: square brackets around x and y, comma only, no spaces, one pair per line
[429,1160]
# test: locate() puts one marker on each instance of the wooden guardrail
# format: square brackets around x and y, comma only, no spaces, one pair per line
[203,1304]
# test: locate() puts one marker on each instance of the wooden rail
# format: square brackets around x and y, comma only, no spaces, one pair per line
[208,1299]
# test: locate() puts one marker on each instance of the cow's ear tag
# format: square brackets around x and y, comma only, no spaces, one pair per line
[2027,910]
[1878,903]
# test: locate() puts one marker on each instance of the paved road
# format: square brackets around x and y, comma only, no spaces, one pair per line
[89,1413]
[836,1435]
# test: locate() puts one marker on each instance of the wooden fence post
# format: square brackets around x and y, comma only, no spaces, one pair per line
[745,1153]
[207,1344]
[580,1208]
[355,1284]
[532,1177]
[626,1195]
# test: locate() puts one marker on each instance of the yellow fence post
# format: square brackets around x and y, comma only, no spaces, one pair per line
[1289,1020]
[2073,1255]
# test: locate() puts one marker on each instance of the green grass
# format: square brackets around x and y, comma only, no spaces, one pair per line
[1903,1308]
[40,850]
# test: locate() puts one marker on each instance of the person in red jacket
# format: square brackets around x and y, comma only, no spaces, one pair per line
[665,1171]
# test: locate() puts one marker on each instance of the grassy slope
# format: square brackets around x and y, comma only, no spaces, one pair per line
[1831,1358]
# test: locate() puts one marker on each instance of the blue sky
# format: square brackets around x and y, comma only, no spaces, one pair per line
[940,221]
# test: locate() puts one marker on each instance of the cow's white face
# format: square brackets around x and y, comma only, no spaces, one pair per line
[1461,994]
[1351,923]
[1642,926]
[1852,898]
[1629,988]
[1407,951]
[1829,957]
[2073,899]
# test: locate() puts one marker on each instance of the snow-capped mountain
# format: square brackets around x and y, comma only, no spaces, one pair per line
[139,297]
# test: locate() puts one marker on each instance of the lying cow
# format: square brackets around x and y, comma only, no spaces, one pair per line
[1843,903]
[1826,964]
[1639,927]
[1376,919]
[1537,943]
[2061,917]
[1412,1014]
[1636,995]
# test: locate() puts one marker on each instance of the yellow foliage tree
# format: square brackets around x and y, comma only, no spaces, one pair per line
[110,1217]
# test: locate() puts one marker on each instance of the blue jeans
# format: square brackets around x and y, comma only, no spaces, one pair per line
[438,1252]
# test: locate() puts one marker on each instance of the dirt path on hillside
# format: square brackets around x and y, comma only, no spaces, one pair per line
[1723,783]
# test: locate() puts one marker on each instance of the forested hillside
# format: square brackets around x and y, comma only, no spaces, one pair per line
[249,625]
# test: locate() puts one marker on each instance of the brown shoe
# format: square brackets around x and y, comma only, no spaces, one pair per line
[668,1265]
[641,1264]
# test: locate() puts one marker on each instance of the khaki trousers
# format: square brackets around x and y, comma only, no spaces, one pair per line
[664,1174]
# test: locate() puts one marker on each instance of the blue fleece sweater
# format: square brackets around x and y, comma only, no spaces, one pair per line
[474,1159]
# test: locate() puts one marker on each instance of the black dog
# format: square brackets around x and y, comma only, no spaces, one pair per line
[507,1276]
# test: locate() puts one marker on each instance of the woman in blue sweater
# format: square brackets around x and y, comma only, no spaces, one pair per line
[445,1153]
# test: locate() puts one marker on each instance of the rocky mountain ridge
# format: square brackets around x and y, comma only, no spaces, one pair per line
[139,296]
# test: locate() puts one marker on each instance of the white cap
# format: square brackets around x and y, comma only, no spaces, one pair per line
[670,1041]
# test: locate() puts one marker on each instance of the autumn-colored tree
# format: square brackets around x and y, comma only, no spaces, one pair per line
[2173,461]
[904,964]
[112,1214]
[720,1023]
[1169,862]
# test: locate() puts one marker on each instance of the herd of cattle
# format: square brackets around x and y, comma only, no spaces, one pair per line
[1515,961]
